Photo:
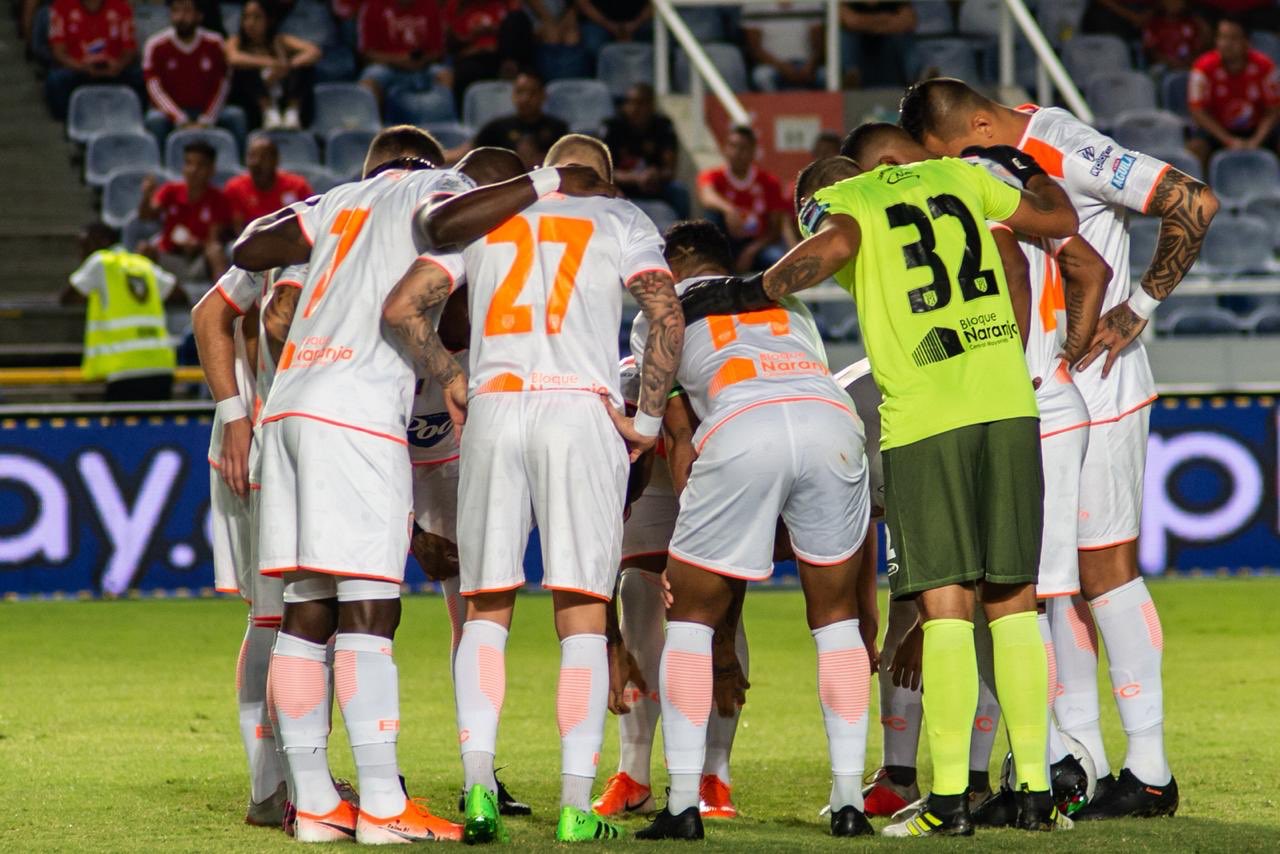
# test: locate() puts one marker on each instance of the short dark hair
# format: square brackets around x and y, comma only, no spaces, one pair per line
[826,136]
[701,239]
[202,147]
[822,173]
[744,130]
[1237,21]
[580,142]
[861,141]
[939,106]
[489,165]
[99,233]
[392,143]
[533,74]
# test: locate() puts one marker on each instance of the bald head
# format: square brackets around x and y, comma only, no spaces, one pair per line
[399,141]
[822,173]
[879,143]
[582,150]
[490,165]
[947,115]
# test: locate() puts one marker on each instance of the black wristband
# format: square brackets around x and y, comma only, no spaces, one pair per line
[724,295]
[1019,164]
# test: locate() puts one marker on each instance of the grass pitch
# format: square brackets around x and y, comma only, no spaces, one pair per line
[118,729]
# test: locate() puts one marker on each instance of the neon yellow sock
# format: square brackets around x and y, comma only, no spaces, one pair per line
[1022,683]
[950,674]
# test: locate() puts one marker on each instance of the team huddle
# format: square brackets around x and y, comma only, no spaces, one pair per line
[426,362]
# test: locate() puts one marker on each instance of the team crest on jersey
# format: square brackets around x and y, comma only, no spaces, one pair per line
[137,287]
[427,431]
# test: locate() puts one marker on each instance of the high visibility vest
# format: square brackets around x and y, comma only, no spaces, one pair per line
[125,332]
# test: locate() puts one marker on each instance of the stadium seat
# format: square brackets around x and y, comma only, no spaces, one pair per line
[149,19]
[223,174]
[837,320]
[706,25]
[230,17]
[97,109]
[933,18]
[1060,19]
[320,178]
[40,50]
[122,193]
[450,134]
[1236,176]
[1143,233]
[344,106]
[1209,320]
[1267,208]
[137,230]
[949,57]
[1086,55]
[980,17]
[659,212]
[221,140]
[1148,130]
[1238,243]
[1173,92]
[1110,93]
[108,152]
[725,57]
[1268,43]
[486,100]
[297,148]
[583,103]
[311,20]
[344,152]
[337,65]
[1263,321]
[430,106]
[623,64]
[1180,159]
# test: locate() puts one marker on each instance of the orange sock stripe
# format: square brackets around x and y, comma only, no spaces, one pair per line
[1053,672]
[299,685]
[573,698]
[492,668]
[345,681]
[244,653]
[1154,629]
[844,682]
[688,684]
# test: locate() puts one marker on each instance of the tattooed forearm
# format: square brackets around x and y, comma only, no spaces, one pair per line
[1185,207]
[1080,326]
[791,275]
[815,258]
[655,292]
[408,314]
[1085,275]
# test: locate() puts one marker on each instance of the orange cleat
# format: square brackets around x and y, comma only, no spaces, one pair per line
[883,797]
[715,798]
[624,796]
[415,824]
[337,825]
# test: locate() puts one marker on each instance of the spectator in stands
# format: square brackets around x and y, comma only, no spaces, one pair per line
[478,49]
[1253,14]
[92,41]
[613,21]
[1174,35]
[875,40]
[643,144]
[272,73]
[747,202]
[402,44]
[527,96]
[1123,18]
[1233,95]
[265,188]
[196,220]
[185,67]
[556,36]
[126,294]
[784,44]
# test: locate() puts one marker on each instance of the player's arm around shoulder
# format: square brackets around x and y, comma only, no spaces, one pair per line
[654,289]
[407,313]
[1041,209]
[835,242]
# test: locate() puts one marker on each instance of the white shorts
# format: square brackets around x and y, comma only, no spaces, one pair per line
[648,529]
[234,541]
[553,458]
[1111,482]
[333,500]
[307,586]
[1064,436]
[803,461]
[435,498]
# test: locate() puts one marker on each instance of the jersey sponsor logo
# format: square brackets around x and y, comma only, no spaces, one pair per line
[940,344]
[791,363]
[1086,152]
[317,351]
[985,329]
[1100,162]
[427,431]
[1123,167]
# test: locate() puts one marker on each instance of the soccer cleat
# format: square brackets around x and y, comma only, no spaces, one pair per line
[1038,812]
[930,820]
[715,798]
[1070,784]
[337,825]
[884,797]
[578,826]
[686,826]
[415,824]
[269,812]
[622,796]
[999,810]
[482,820]
[1132,798]
[507,805]
[1105,785]
[850,821]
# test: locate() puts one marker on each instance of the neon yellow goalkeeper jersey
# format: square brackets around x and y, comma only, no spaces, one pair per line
[932,301]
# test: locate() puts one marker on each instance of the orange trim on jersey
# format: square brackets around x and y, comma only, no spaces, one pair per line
[1105,545]
[1127,412]
[214,465]
[492,589]
[435,462]
[633,276]
[1027,108]
[281,570]
[256,486]
[399,440]
[1049,158]
[717,571]
[302,226]
[502,382]
[1064,430]
[233,590]
[998,226]
[286,358]
[593,595]
[734,370]
[287,283]
[223,293]
[453,283]
[1062,374]
[1057,595]
[1146,204]
[751,406]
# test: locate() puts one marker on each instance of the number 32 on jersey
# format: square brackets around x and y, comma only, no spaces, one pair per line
[506,314]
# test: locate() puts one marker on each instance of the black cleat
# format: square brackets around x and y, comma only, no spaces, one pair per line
[507,805]
[1132,798]
[1070,785]
[946,815]
[1037,811]
[686,826]
[999,810]
[1105,785]
[850,821]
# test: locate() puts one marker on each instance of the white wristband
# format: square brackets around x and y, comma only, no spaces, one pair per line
[1142,303]
[646,424]
[545,180]
[231,409]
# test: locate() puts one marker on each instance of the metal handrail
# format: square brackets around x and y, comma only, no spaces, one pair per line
[1050,68]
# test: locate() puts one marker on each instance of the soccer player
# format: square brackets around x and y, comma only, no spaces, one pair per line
[1104,181]
[544,289]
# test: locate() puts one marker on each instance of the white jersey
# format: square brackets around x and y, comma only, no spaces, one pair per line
[338,365]
[731,363]
[545,293]
[241,290]
[289,277]
[1104,181]
[431,436]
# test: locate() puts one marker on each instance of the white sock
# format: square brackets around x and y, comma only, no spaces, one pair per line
[299,687]
[1075,648]
[900,709]
[987,717]
[368,688]
[844,691]
[451,589]
[479,686]
[582,698]
[1057,748]
[685,676]
[721,730]
[641,621]
[265,769]
[1130,628]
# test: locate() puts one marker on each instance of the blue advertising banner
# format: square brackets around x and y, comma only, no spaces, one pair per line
[93,505]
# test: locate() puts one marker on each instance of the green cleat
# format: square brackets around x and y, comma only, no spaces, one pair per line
[578,826]
[483,822]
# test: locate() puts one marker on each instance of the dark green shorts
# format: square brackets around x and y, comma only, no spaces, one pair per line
[965,505]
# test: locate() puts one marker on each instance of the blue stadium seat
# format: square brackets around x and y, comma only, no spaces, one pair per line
[344,152]
[1263,321]
[837,320]
[1267,208]
[344,106]
[707,25]
[110,151]
[1268,43]
[221,140]
[320,178]
[1236,176]
[725,57]
[297,148]
[1110,93]
[230,17]
[149,19]
[1086,55]
[1173,92]
[623,64]
[1180,159]
[311,20]
[450,134]
[1238,243]
[429,106]
[1060,19]
[662,214]
[583,103]
[122,193]
[137,230]
[486,100]
[337,64]
[933,18]
[1148,130]
[97,109]
[1143,233]
[980,17]
[948,57]
[1209,320]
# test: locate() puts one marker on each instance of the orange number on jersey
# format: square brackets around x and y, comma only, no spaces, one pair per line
[1052,299]
[347,225]
[723,326]
[504,316]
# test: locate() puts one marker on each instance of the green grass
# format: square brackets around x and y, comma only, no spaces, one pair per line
[118,728]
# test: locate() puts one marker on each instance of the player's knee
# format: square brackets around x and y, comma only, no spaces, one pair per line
[313,621]
[379,617]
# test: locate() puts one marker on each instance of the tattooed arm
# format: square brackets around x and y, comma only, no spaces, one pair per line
[816,258]
[1084,285]
[407,312]
[655,291]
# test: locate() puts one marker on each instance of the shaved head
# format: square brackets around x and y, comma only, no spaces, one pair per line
[877,143]
[941,107]
[583,150]
[490,165]
[823,173]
